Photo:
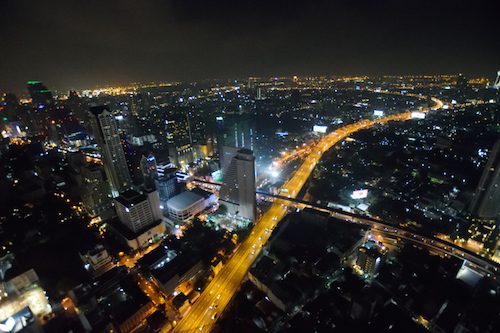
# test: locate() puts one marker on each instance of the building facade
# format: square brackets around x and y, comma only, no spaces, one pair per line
[486,200]
[238,191]
[185,206]
[108,139]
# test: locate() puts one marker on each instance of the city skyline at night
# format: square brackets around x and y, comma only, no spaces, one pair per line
[73,45]
[266,166]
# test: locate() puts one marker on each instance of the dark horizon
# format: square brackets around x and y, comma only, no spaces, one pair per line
[73,45]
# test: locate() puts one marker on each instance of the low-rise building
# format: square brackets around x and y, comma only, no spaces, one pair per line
[23,303]
[97,261]
[184,207]
[186,266]
[114,302]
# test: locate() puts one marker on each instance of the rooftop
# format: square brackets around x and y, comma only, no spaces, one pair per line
[97,110]
[130,198]
[184,200]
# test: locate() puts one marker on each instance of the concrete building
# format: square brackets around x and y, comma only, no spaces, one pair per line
[181,155]
[95,190]
[166,184]
[106,134]
[141,221]
[486,199]
[186,266]
[183,207]
[368,260]
[238,191]
[136,210]
[112,303]
[226,156]
[97,261]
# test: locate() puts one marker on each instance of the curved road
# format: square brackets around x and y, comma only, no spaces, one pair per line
[212,302]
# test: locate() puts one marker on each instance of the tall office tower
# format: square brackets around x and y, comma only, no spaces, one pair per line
[252,81]
[77,107]
[486,200]
[39,93]
[95,190]
[368,260]
[462,88]
[139,104]
[226,156]
[138,211]
[154,202]
[238,191]
[260,95]
[106,134]
[148,169]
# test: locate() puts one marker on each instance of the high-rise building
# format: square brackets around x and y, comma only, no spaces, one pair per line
[368,260]
[260,95]
[40,95]
[148,169]
[181,155]
[95,190]
[77,107]
[108,139]
[238,191]
[166,183]
[226,157]
[138,211]
[485,203]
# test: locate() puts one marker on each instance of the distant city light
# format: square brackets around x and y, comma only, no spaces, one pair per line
[282,134]
[378,113]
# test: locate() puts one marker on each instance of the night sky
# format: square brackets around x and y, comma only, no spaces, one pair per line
[82,44]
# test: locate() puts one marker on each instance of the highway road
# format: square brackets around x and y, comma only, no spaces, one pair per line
[215,298]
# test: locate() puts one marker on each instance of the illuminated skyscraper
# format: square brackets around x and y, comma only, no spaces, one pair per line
[486,200]
[107,137]
[238,191]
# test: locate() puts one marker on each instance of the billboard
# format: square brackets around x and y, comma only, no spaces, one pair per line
[378,113]
[359,194]
[417,115]
[319,129]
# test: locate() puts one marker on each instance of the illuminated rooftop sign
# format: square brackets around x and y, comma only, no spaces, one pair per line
[359,194]
[417,115]
[319,129]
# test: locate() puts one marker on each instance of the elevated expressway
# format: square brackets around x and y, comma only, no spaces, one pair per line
[212,302]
